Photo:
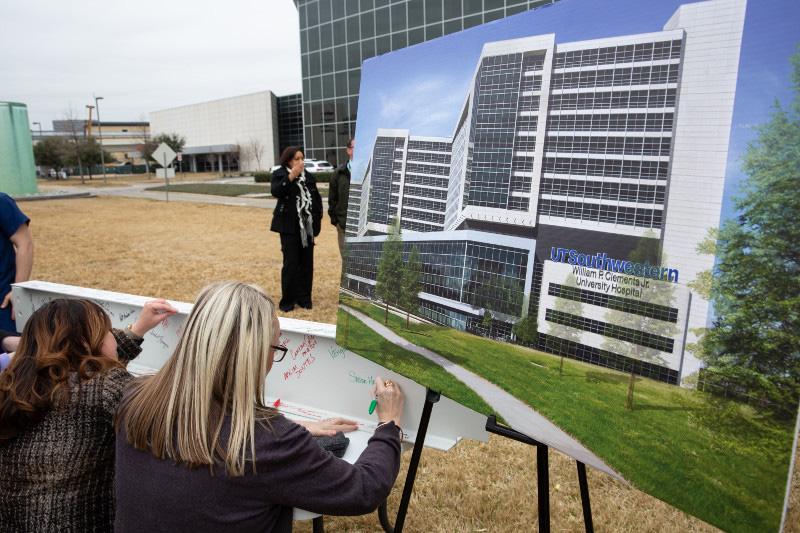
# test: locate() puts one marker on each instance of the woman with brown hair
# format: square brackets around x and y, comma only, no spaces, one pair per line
[198,450]
[57,400]
[298,218]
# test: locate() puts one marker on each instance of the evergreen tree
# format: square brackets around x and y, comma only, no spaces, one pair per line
[493,291]
[756,282]
[527,329]
[49,152]
[412,283]
[389,284]
[175,141]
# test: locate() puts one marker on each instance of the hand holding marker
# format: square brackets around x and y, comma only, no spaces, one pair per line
[390,407]
[373,403]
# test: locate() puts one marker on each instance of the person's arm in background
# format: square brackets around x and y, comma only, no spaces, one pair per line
[9,341]
[23,242]
[333,196]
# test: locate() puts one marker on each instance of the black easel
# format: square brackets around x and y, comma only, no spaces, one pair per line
[431,397]
[543,475]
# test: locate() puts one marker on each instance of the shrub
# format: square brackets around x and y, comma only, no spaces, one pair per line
[323,177]
[266,177]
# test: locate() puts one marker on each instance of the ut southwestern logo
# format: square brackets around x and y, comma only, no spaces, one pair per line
[603,262]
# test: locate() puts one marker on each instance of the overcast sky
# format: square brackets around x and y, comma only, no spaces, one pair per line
[143,56]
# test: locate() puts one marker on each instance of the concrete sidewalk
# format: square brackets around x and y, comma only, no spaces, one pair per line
[516,414]
[137,190]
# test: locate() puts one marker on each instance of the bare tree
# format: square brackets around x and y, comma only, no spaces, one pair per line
[210,160]
[144,144]
[76,141]
[234,154]
[252,149]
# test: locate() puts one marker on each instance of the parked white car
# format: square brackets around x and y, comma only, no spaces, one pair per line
[312,165]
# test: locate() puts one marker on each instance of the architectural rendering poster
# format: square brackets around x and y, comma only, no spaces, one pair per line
[582,219]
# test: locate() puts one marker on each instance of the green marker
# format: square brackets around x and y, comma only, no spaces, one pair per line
[373,403]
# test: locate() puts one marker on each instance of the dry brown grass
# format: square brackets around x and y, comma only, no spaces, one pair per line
[171,250]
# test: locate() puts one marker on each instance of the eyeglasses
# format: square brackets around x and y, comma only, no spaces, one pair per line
[282,350]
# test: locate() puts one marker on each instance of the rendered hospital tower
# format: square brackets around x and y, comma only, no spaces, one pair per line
[570,166]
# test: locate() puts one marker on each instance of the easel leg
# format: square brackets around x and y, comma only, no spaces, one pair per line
[587,506]
[431,397]
[543,476]
[542,467]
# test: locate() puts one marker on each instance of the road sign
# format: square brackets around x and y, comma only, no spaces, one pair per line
[164,154]
[180,156]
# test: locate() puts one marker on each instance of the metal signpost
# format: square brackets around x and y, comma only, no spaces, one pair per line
[164,155]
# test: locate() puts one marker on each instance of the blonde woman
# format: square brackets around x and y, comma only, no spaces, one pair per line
[198,450]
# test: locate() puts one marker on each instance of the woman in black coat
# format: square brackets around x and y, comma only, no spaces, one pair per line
[297,217]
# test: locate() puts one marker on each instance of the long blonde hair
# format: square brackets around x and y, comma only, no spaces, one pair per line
[216,371]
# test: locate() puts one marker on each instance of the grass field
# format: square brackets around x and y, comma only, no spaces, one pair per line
[151,248]
[714,457]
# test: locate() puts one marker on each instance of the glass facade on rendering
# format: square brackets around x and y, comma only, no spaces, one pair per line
[610,126]
[472,275]
[337,36]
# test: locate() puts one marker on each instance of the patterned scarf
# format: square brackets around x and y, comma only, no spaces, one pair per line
[304,212]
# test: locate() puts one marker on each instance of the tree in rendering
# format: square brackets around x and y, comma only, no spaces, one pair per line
[562,338]
[412,283]
[628,315]
[527,330]
[486,323]
[755,287]
[498,293]
[389,284]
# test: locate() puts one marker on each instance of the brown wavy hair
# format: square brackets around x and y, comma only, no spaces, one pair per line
[61,337]
[288,154]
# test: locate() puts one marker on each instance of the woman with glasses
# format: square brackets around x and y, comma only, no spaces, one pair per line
[57,401]
[197,448]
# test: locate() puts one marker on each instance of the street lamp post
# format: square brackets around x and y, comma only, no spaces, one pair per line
[40,139]
[100,134]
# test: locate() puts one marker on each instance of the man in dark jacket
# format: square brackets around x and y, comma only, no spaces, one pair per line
[338,195]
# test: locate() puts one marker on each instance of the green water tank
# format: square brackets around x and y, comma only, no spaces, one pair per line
[17,168]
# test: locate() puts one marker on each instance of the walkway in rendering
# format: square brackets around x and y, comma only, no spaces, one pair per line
[516,414]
